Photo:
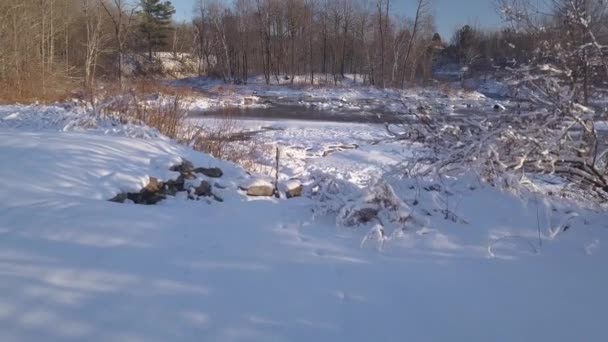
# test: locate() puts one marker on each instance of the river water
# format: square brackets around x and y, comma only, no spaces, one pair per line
[295,112]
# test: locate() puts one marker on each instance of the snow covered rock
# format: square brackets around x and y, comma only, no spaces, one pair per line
[185,167]
[213,172]
[152,193]
[293,189]
[154,185]
[259,188]
[145,197]
[156,190]
[204,189]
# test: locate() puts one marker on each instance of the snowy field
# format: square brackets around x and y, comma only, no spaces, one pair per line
[75,267]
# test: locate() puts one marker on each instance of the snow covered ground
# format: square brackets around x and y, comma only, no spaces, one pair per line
[74,266]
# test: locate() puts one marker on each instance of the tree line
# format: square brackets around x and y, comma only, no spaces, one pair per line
[316,38]
[48,46]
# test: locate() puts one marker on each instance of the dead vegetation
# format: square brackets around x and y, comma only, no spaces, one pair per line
[166,109]
[224,139]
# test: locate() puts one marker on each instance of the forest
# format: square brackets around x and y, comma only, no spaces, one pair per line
[51,47]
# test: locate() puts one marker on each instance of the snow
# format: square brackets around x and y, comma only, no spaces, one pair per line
[258,182]
[74,266]
[344,97]
[162,64]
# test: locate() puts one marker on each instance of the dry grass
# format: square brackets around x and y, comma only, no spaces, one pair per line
[146,103]
[166,109]
[224,139]
[169,118]
[62,89]
[154,104]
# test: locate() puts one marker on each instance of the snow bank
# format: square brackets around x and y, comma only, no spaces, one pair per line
[86,165]
[76,267]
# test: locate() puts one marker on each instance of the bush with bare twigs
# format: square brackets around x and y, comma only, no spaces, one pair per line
[561,140]
[223,138]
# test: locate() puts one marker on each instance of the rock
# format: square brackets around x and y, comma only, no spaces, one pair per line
[185,167]
[260,188]
[156,190]
[120,198]
[154,185]
[260,191]
[146,197]
[213,172]
[174,186]
[171,188]
[293,189]
[152,193]
[204,189]
[186,176]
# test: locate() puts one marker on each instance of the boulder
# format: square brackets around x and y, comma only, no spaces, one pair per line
[154,185]
[174,186]
[293,189]
[152,193]
[260,188]
[146,197]
[204,189]
[260,191]
[213,172]
[156,190]
[185,167]
[186,176]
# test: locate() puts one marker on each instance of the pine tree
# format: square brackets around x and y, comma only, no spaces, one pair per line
[155,22]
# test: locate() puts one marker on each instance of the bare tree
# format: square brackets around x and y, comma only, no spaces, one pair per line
[91,10]
[382,29]
[122,16]
[421,10]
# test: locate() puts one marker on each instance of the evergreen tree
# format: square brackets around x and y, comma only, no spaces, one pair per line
[155,22]
[467,43]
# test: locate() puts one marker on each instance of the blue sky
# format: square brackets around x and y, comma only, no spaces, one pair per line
[449,14]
